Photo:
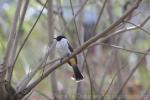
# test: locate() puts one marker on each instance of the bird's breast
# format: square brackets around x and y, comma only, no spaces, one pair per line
[62,48]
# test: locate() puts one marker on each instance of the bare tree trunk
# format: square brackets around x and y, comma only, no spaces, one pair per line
[51,35]
[80,85]
[3,93]
[16,40]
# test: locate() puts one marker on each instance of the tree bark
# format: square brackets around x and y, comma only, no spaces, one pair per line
[3,93]
[51,35]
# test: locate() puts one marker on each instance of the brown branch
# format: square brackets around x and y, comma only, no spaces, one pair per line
[99,16]
[66,27]
[87,67]
[24,82]
[50,22]
[44,95]
[121,19]
[140,27]
[124,30]
[22,45]
[80,49]
[15,44]
[146,93]
[105,93]
[28,35]
[42,4]
[66,6]
[121,48]
[6,59]
[130,75]
[137,65]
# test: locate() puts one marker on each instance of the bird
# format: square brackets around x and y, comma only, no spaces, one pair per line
[64,49]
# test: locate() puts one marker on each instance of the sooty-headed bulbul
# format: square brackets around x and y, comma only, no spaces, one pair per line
[64,49]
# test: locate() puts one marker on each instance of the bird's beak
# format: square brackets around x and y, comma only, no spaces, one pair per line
[54,38]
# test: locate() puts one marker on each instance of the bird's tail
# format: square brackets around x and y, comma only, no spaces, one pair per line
[77,74]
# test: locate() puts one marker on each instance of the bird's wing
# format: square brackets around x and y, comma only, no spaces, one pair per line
[71,49]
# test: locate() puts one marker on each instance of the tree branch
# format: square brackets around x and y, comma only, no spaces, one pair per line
[15,44]
[80,49]
[130,75]
[12,34]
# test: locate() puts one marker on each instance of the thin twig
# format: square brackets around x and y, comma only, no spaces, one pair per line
[42,4]
[80,49]
[87,67]
[105,93]
[121,48]
[141,25]
[27,37]
[15,44]
[146,93]
[22,84]
[130,75]
[25,40]
[6,61]
[121,19]
[99,16]
[42,94]
[75,16]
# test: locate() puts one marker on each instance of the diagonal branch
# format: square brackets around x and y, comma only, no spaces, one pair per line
[24,82]
[130,75]
[100,15]
[121,48]
[80,49]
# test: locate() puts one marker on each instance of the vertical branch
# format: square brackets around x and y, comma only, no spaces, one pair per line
[6,60]
[80,85]
[66,27]
[3,93]
[15,44]
[27,78]
[99,16]
[63,22]
[94,30]
[12,34]
[61,15]
[87,67]
[51,35]
[85,45]
[110,11]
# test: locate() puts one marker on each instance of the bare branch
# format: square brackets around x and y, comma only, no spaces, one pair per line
[102,98]
[22,84]
[12,34]
[80,49]
[99,17]
[22,45]
[25,40]
[141,25]
[15,44]
[44,95]
[66,27]
[130,75]
[121,48]
[87,67]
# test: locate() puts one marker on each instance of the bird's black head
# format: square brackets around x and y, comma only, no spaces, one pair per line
[58,38]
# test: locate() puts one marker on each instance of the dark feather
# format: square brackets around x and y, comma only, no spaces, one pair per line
[71,49]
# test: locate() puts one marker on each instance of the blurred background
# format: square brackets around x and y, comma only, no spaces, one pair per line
[103,60]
